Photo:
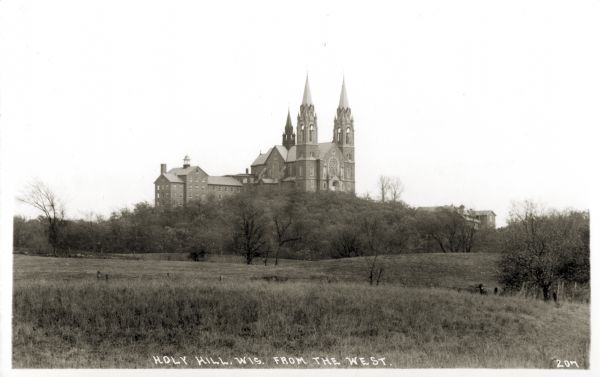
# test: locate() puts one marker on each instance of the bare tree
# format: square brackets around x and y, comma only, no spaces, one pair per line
[249,231]
[544,247]
[384,186]
[396,188]
[41,197]
[283,232]
[374,235]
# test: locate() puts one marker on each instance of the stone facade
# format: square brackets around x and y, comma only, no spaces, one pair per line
[302,162]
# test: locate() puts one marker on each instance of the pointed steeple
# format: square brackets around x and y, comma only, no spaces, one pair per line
[344,97]
[288,138]
[288,123]
[306,99]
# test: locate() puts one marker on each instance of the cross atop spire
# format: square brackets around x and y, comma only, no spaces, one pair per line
[344,97]
[306,99]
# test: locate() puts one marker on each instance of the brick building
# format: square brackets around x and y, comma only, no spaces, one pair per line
[179,186]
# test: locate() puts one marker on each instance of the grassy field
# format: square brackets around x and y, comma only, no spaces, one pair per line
[65,317]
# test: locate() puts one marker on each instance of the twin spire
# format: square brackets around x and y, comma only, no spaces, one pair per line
[307,99]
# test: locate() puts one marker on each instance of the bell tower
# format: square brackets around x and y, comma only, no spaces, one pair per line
[288,137]
[307,147]
[343,136]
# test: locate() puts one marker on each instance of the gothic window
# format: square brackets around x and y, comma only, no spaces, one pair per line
[339,135]
[312,171]
[310,133]
[333,166]
[301,136]
[347,135]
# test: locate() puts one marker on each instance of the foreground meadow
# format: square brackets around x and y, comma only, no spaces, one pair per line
[66,318]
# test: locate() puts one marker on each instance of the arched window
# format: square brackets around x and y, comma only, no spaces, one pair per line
[339,135]
[301,136]
[347,135]
[310,133]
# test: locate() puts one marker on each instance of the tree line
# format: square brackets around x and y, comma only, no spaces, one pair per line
[286,223]
[540,247]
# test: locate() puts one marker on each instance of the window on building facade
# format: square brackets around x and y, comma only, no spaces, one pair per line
[339,135]
[347,135]
[310,133]
[312,171]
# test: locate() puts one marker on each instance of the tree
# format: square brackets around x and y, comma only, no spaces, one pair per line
[283,226]
[41,197]
[543,247]
[449,229]
[396,188]
[376,242]
[249,233]
[346,243]
[384,186]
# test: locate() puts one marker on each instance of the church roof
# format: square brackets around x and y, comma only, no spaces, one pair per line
[282,151]
[223,181]
[344,97]
[306,98]
[291,156]
[262,158]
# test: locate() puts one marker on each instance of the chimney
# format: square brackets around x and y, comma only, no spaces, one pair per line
[163,168]
[246,170]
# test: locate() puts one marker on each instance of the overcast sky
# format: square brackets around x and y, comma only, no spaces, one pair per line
[467,103]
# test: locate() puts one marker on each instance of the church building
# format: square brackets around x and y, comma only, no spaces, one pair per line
[301,161]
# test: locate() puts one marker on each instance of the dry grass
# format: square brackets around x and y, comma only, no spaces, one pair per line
[64,317]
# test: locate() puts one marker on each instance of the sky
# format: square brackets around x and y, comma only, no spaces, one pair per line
[466,102]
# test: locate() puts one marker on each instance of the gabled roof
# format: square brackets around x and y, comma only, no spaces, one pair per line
[291,156]
[223,181]
[282,151]
[262,158]
[186,171]
[172,178]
